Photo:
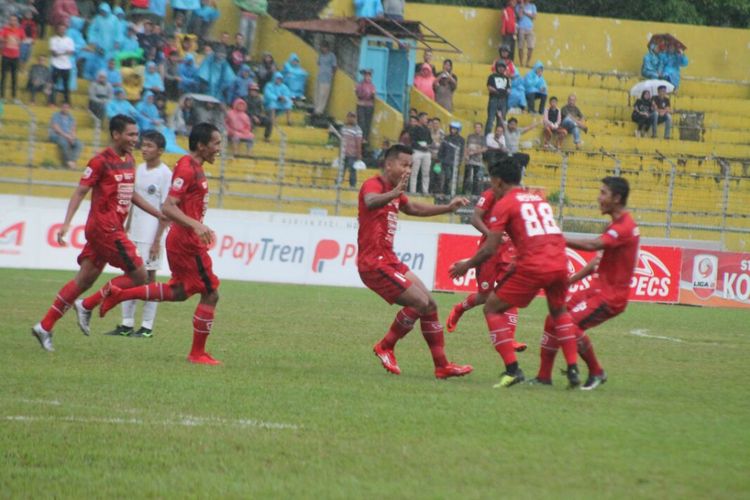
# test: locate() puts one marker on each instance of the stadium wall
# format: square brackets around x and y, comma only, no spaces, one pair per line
[322,250]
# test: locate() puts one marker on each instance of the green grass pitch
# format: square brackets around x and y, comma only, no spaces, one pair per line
[302,409]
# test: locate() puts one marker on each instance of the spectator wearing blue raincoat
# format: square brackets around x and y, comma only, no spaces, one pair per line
[517,96]
[278,97]
[295,76]
[189,81]
[122,26]
[95,62]
[102,31]
[536,88]
[114,76]
[148,114]
[186,4]
[130,43]
[216,74]
[241,85]
[672,60]
[158,7]
[368,8]
[651,67]
[121,106]
[152,79]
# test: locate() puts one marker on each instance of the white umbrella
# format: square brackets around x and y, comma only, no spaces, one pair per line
[650,85]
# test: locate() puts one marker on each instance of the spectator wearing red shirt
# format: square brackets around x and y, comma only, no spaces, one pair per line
[508,26]
[366,94]
[11,37]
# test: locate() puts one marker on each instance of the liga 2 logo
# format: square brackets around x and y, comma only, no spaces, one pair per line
[705,274]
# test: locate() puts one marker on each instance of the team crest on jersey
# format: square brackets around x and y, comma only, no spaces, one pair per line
[87,173]
[118,177]
[178,183]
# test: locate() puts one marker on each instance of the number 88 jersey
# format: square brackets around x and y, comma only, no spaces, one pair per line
[530,222]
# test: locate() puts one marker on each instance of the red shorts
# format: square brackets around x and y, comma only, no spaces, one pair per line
[487,273]
[114,249]
[194,271]
[589,309]
[389,280]
[518,287]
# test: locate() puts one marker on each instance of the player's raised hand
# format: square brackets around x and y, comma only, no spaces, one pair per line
[61,235]
[459,268]
[204,233]
[458,202]
[402,182]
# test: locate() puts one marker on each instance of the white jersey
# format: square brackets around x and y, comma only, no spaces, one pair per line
[153,186]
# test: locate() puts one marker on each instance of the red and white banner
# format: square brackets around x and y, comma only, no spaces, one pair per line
[656,277]
[715,279]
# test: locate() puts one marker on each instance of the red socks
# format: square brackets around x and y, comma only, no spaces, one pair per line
[154,292]
[432,331]
[565,331]
[501,336]
[586,351]
[548,350]
[94,300]
[468,303]
[402,325]
[63,301]
[203,320]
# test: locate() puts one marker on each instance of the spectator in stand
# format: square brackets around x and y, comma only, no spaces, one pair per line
[278,98]
[368,8]
[86,8]
[536,88]
[114,76]
[662,112]
[30,34]
[438,134]
[513,140]
[526,14]
[40,79]
[508,27]
[62,48]
[672,60]
[148,40]
[11,37]
[223,45]
[651,67]
[176,28]
[517,97]
[129,46]
[185,6]
[215,74]
[257,111]
[573,120]
[95,61]
[62,131]
[251,10]
[159,8]
[100,93]
[266,69]
[62,11]
[295,77]
[366,93]
[102,32]
[445,86]
[394,9]
[122,26]
[42,10]
[421,138]
[495,143]
[148,114]
[498,86]
[426,59]
[476,146]
[189,80]
[424,82]
[238,53]
[449,157]
[553,125]
[152,79]
[351,144]
[172,76]
[239,127]
[505,55]
[121,106]
[327,65]
[239,89]
[183,118]
[642,113]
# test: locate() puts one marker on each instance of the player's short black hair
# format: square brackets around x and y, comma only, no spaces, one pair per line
[619,186]
[201,134]
[118,123]
[507,170]
[396,150]
[156,137]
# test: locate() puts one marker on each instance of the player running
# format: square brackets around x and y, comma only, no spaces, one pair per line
[110,174]
[380,200]
[489,271]
[152,180]
[610,288]
[188,242]
[540,264]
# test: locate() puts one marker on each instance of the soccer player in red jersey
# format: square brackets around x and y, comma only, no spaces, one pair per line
[610,288]
[380,200]
[111,175]
[540,264]
[187,245]
[489,271]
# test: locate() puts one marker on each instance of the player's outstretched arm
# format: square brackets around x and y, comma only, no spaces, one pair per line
[139,202]
[477,222]
[75,201]
[491,244]
[589,268]
[424,210]
[172,211]
[585,245]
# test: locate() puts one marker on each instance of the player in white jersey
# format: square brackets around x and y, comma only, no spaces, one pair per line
[152,181]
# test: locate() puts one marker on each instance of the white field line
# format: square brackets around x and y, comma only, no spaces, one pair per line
[185,421]
[642,332]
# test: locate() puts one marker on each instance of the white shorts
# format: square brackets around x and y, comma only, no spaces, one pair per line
[144,249]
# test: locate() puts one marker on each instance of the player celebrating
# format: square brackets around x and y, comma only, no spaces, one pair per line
[187,244]
[111,174]
[152,180]
[540,263]
[610,288]
[380,200]
[489,271]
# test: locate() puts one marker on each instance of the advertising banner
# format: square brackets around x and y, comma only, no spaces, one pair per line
[715,279]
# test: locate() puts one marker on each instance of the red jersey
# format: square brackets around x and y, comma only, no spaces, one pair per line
[190,187]
[377,226]
[529,221]
[12,38]
[507,252]
[615,270]
[112,179]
